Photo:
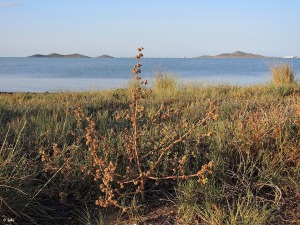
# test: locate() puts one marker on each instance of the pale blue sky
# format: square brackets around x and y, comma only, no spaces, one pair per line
[171,28]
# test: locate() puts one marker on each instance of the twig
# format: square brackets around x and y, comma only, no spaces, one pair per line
[164,151]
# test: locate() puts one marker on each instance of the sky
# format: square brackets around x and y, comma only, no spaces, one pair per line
[165,28]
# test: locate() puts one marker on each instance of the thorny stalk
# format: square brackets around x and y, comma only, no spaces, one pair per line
[136,95]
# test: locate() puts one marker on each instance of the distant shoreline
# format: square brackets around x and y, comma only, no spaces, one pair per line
[236,54]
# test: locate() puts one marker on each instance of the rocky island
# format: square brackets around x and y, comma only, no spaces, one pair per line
[55,55]
[237,54]
[76,55]
[105,57]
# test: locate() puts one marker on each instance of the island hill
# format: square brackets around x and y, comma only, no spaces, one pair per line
[237,54]
[104,56]
[55,55]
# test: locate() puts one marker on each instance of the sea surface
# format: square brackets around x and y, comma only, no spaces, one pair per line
[80,74]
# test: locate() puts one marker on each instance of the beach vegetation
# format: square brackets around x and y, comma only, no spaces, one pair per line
[282,73]
[165,85]
[203,155]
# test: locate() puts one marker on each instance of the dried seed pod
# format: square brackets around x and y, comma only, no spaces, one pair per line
[140,55]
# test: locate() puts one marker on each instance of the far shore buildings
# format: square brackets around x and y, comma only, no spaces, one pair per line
[290,57]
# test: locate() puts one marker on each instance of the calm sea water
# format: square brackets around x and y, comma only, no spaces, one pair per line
[56,74]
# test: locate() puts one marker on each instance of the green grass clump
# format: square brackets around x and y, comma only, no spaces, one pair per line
[282,74]
[165,85]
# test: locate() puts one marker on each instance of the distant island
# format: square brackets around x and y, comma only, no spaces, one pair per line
[104,56]
[237,54]
[56,55]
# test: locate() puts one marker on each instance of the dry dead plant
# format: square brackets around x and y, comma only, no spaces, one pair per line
[123,171]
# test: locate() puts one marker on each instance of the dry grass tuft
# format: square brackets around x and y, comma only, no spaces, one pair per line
[282,73]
